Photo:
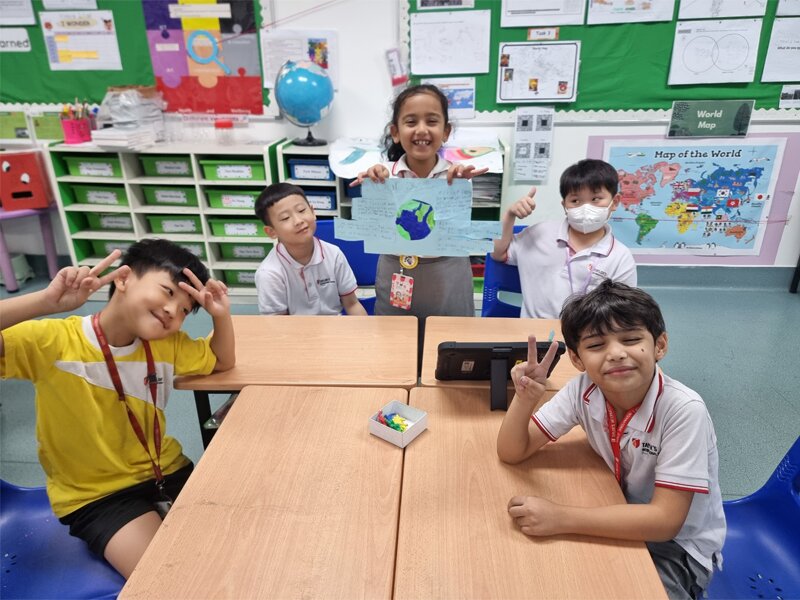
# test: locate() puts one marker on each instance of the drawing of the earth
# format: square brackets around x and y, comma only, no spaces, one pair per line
[415,220]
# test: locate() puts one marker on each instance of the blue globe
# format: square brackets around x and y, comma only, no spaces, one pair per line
[304,92]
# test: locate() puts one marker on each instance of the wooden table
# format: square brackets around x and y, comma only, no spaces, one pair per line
[480,329]
[292,499]
[312,350]
[456,539]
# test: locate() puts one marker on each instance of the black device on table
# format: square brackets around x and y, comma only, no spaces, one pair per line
[490,361]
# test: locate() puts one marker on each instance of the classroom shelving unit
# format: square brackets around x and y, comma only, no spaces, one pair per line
[307,167]
[198,195]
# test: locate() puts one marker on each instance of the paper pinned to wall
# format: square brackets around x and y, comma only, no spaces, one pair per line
[81,41]
[533,142]
[783,53]
[450,42]
[350,156]
[788,8]
[715,51]
[629,11]
[703,9]
[280,45]
[417,217]
[541,13]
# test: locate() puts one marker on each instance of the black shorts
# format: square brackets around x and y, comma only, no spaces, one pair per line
[97,522]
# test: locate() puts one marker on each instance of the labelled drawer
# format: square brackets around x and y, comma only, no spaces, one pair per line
[169,195]
[230,227]
[233,251]
[174,223]
[198,249]
[109,222]
[233,277]
[88,165]
[321,199]
[223,198]
[110,195]
[242,169]
[166,166]
[310,168]
[103,248]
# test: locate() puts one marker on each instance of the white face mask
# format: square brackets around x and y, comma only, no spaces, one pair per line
[587,218]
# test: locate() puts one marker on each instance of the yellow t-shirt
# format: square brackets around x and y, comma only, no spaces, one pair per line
[87,446]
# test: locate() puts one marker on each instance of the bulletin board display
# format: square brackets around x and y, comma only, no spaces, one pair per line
[622,66]
[26,77]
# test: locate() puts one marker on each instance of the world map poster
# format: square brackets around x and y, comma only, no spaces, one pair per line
[705,197]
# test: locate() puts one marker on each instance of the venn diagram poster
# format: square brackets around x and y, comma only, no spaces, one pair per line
[205,55]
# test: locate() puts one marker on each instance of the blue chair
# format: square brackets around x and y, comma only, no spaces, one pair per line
[500,277]
[38,556]
[364,265]
[761,556]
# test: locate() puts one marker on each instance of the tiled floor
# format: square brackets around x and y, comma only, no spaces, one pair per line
[738,347]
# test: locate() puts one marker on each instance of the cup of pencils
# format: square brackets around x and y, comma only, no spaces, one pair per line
[76,124]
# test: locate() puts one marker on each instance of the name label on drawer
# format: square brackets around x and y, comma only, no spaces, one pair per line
[176,226]
[195,249]
[234,171]
[101,197]
[116,222]
[241,229]
[171,196]
[246,277]
[320,202]
[238,201]
[96,169]
[312,172]
[172,167]
[249,251]
[111,246]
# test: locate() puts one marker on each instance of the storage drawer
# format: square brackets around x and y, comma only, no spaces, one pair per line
[166,166]
[231,251]
[87,165]
[103,248]
[174,223]
[198,249]
[169,195]
[218,170]
[310,168]
[110,195]
[109,222]
[321,199]
[240,277]
[237,227]
[222,198]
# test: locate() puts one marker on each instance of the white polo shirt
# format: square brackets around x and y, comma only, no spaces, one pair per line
[401,170]
[669,442]
[286,286]
[549,275]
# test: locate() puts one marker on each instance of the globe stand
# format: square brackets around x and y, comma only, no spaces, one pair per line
[309,140]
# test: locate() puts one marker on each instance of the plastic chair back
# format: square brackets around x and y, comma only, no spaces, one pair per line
[364,265]
[761,556]
[40,559]
[499,277]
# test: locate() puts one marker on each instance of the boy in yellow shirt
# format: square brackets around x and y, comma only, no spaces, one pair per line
[102,383]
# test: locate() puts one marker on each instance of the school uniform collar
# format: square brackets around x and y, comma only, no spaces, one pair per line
[316,258]
[645,417]
[400,168]
[601,248]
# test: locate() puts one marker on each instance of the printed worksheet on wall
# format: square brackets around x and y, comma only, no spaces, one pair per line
[538,71]
[783,53]
[449,42]
[81,41]
[715,51]
[721,9]
[541,13]
[788,8]
[629,11]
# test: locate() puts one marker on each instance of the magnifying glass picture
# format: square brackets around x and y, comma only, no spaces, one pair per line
[205,60]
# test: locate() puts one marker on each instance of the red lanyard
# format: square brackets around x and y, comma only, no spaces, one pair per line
[152,380]
[615,434]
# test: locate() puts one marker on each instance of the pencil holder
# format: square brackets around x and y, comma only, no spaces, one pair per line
[76,131]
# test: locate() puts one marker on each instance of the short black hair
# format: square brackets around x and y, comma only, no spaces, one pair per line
[394,150]
[275,193]
[589,173]
[611,306]
[155,254]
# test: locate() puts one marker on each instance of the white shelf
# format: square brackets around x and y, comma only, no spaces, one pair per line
[311,182]
[97,208]
[95,180]
[144,180]
[233,182]
[236,265]
[166,210]
[234,212]
[108,234]
[240,239]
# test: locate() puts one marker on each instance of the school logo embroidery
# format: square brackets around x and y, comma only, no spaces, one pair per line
[324,281]
[650,449]
[636,442]
[148,379]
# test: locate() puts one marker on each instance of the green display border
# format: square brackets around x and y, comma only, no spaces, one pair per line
[623,67]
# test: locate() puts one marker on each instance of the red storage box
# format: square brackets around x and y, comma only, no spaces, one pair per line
[23,180]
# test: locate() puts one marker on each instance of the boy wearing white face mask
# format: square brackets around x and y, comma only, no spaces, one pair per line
[557,259]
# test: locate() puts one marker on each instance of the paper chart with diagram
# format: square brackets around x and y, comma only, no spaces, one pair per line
[629,11]
[538,72]
[81,41]
[721,9]
[541,13]
[205,55]
[447,42]
[715,51]
[417,217]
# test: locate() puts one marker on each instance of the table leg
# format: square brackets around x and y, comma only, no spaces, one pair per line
[49,244]
[203,414]
[6,268]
